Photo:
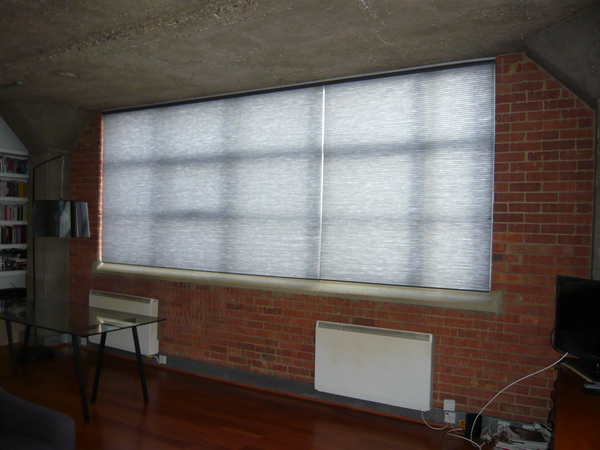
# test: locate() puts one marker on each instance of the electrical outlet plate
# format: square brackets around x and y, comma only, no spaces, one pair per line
[162,359]
[450,417]
[449,405]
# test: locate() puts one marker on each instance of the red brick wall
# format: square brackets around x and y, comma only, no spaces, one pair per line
[542,227]
[86,185]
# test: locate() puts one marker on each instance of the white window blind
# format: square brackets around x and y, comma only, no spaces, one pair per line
[386,180]
[408,179]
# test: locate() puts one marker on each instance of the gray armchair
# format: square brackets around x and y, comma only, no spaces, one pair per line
[25,425]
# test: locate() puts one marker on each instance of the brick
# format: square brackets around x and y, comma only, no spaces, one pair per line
[576,155]
[577,197]
[542,176]
[559,104]
[508,218]
[525,146]
[558,145]
[528,86]
[513,117]
[543,95]
[558,229]
[542,197]
[524,126]
[560,124]
[511,98]
[526,106]
[509,177]
[525,187]
[558,208]
[524,207]
[585,133]
[527,67]
[574,240]
[540,239]
[523,228]
[585,144]
[512,137]
[509,59]
[510,157]
[559,186]
[533,166]
[576,113]
[585,123]
[541,218]
[546,135]
[509,197]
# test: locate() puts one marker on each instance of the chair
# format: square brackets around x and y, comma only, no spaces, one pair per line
[25,425]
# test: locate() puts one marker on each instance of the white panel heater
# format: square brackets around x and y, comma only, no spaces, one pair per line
[376,364]
[123,339]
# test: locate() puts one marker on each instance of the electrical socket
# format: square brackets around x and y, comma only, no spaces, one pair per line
[450,417]
[449,405]
[503,425]
[162,359]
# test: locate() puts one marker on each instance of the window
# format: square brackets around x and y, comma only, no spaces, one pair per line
[386,180]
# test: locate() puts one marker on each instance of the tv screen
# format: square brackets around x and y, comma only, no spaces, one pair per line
[577,322]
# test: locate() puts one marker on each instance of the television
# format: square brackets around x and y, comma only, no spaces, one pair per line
[577,322]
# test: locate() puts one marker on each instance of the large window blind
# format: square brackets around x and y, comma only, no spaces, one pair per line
[385,180]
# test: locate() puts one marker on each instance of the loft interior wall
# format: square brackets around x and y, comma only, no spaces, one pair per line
[543,227]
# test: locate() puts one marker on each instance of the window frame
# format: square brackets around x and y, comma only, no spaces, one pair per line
[482,301]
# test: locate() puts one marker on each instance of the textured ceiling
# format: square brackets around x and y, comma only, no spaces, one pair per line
[101,54]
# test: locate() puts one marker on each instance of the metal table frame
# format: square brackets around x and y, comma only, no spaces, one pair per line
[74,335]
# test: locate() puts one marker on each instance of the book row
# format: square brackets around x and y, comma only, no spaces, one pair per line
[9,164]
[17,234]
[13,212]
[12,263]
[13,188]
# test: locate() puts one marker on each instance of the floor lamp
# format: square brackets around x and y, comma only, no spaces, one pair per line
[53,218]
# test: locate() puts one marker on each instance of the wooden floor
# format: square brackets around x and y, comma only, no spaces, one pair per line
[191,412]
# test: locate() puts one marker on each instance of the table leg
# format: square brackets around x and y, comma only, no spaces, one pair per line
[11,347]
[23,356]
[138,354]
[86,413]
[26,340]
[99,362]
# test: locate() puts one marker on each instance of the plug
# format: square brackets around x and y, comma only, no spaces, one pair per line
[502,426]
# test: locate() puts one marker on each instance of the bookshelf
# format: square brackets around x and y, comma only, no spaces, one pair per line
[14,169]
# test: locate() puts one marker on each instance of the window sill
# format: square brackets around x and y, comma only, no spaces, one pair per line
[441,298]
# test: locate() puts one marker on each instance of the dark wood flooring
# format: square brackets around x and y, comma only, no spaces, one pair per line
[186,411]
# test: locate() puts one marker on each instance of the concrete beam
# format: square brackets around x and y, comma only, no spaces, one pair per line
[42,127]
[570,51]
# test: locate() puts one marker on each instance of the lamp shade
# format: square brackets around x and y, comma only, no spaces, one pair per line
[60,218]
[80,223]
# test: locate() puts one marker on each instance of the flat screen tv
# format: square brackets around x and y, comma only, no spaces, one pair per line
[577,321]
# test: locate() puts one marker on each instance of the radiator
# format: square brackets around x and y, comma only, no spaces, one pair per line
[123,339]
[377,364]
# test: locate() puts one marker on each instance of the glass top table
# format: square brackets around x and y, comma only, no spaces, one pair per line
[77,321]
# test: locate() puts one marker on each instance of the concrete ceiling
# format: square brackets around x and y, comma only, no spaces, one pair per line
[103,54]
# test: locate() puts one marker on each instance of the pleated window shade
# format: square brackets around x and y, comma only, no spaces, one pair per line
[385,180]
